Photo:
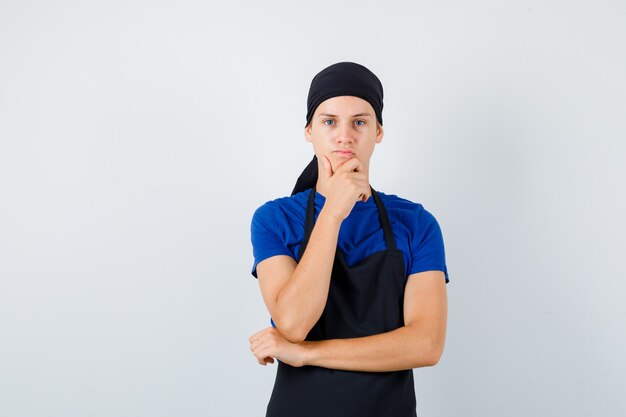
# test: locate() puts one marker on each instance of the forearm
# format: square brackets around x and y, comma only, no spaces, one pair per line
[302,300]
[404,348]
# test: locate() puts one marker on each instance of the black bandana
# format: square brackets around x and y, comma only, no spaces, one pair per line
[340,79]
[345,79]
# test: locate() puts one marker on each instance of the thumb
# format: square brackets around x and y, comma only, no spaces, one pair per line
[327,169]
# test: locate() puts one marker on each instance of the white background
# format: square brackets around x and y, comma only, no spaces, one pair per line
[138,137]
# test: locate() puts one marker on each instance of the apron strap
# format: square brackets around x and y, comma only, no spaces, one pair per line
[384,220]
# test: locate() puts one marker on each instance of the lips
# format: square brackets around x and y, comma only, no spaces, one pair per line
[344,152]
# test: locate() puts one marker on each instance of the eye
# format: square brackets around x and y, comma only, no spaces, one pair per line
[328,120]
[360,121]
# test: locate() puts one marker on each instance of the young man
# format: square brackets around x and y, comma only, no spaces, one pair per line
[354,279]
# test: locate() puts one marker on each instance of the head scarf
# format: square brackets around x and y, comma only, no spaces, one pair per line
[340,79]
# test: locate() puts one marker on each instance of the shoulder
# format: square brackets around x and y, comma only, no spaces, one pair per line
[406,210]
[281,208]
[412,217]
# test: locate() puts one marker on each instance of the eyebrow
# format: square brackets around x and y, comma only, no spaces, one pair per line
[354,115]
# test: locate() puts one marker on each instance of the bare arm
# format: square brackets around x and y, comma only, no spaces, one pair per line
[296,293]
[418,343]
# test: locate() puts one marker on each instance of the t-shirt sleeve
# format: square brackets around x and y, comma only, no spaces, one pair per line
[427,249]
[265,234]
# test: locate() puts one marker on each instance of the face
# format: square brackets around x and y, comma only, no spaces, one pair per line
[344,123]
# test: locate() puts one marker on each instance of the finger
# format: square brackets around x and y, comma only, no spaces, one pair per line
[345,165]
[267,360]
[258,341]
[359,167]
[351,165]
[364,190]
[263,349]
[259,334]
[361,182]
[367,192]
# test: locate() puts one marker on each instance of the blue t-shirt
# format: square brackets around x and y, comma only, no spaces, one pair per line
[277,228]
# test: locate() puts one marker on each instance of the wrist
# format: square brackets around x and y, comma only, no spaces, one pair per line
[308,352]
[329,217]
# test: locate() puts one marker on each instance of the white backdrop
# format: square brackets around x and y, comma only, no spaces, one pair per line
[138,137]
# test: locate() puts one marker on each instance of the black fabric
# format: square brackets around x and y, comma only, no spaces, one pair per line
[340,79]
[345,79]
[308,178]
[363,299]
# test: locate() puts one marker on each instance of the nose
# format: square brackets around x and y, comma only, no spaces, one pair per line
[345,134]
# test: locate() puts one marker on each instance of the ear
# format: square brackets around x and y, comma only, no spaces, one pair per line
[379,132]
[307,133]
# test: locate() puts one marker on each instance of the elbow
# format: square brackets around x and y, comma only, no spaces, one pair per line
[293,336]
[290,332]
[434,354]
[428,348]
[433,359]
[428,354]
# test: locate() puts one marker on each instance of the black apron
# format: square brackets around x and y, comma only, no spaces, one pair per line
[363,300]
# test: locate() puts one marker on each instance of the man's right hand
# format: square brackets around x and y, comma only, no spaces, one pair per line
[344,186]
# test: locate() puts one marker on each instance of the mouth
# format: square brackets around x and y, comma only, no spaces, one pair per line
[345,153]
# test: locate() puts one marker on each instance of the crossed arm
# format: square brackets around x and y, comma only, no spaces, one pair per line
[418,343]
[296,294]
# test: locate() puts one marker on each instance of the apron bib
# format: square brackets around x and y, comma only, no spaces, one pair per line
[363,300]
